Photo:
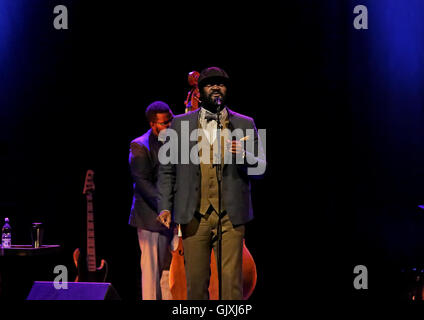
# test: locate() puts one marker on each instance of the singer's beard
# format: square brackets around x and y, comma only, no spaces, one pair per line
[208,101]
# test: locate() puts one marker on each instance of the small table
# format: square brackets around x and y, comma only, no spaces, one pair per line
[24,250]
[12,257]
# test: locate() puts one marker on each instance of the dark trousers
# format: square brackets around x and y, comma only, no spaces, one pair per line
[199,237]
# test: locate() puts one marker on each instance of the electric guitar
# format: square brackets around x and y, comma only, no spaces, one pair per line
[86,265]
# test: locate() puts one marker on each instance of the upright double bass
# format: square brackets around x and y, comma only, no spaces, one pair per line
[177,276]
[193,95]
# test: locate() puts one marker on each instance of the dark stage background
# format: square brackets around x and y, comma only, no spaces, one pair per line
[342,109]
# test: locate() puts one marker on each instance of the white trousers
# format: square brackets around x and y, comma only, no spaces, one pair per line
[155,261]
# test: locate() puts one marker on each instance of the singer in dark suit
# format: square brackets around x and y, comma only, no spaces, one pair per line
[188,190]
[153,237]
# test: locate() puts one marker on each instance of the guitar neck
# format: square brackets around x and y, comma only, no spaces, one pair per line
[91,245]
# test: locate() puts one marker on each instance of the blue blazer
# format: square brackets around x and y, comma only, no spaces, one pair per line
[179,183]
[144,167]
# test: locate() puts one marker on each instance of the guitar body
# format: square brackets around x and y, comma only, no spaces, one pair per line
[84,275]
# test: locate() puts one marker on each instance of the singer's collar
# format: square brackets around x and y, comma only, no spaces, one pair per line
[222,114]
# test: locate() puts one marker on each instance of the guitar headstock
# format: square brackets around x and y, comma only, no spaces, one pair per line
[89,182]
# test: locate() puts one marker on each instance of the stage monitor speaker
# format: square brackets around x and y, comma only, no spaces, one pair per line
[45,290]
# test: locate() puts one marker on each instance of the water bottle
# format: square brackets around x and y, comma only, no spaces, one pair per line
[6,234]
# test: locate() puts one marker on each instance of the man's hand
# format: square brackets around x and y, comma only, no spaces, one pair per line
[235,146]
[165,218]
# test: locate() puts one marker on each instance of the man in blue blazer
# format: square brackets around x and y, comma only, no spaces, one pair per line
[189,189]
[153,237]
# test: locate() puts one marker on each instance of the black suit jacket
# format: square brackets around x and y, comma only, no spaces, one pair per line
[144,167]
[179,183]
